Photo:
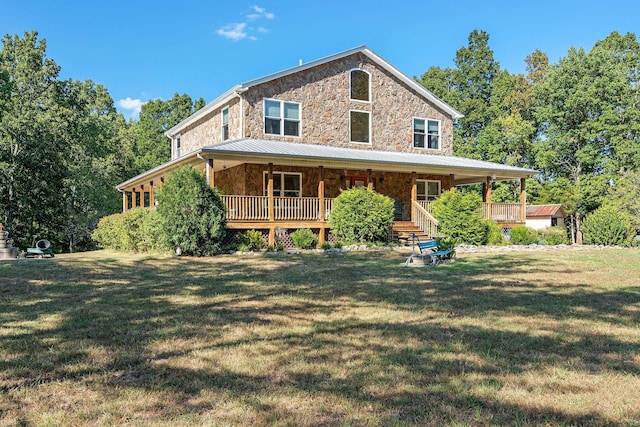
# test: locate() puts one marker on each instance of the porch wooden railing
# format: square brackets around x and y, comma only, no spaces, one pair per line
[503,212]
[256,208]
[247,208]
[424,220]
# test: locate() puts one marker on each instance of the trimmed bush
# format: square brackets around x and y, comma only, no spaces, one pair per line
[459,217]
[304,239]
[250,240]
[136,230]
[494,233]
[608,226]
[522,235]
[361,215]
[193,214]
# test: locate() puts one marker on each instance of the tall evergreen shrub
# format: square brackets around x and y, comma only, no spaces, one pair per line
[459,217]
[192,213]
[607,225]
[361,215]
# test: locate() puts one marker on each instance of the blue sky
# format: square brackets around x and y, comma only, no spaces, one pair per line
[147,50]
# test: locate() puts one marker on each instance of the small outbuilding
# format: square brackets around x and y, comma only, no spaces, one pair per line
[543,216]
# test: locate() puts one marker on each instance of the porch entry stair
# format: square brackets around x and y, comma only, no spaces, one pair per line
[401,231]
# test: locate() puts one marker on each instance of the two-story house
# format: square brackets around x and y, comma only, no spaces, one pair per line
[280,148]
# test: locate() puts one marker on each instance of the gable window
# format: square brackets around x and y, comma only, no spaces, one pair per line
[359,85]
[178,146]
[426,134]
[281,118]
[284,184]
[428,190]
[225,123]
[360,124]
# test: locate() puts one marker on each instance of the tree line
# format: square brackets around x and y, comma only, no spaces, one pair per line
[577,122]
[64,147]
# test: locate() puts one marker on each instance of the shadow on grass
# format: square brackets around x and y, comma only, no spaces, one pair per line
[427,365]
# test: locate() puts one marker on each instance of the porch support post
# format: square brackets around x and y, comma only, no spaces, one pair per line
[487,196]
[523,200]
[321,201]
[452,186]
[210,173]
[134,198]
[152,196]
[125,201]
[271,205]
[369,180]
[414,194]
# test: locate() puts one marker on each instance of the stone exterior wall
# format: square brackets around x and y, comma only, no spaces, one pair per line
[323,92]
[248,179]
[208,130]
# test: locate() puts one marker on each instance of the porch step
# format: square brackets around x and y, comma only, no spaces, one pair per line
[402,230]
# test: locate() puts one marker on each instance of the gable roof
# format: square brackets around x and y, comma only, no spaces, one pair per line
[545,211]
[238,89]
[312,155]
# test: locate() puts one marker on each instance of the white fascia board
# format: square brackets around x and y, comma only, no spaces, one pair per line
[137,180]
[212,106]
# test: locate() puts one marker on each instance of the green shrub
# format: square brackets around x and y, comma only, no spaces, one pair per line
[304,239]
[136,230]
[326,245]
[192,213]
[553,236]
[459,217]
[250,240]
[494,233]
[522,235]
[361,215]
[607,226]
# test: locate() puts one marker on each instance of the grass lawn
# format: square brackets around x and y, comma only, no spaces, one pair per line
[513,338]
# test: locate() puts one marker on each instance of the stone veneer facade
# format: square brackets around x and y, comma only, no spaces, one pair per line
[323,93]
[248,179]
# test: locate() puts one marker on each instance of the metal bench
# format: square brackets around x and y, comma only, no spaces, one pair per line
[430,252]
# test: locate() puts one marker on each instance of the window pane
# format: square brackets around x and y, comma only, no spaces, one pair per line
[433,188]
[359,126]
[359,85]
[433,142]
[291,111]
[225,132]
[272,126]
[421,188]
[292,182]
[291,128]
[433,126]
[225,116]
[418,125]
[418,140]
[272,108]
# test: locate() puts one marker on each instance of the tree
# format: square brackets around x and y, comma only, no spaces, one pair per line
[33,128]
[192,213]
[150,147]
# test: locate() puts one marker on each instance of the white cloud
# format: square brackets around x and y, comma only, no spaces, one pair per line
[131,106]
[233,32]
[240,31]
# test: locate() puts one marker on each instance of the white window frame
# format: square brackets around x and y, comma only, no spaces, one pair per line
[369,127]
[224,124]
[368,82]
[178,146]
[426,196]
[265,183]
[426,133]
[281,118]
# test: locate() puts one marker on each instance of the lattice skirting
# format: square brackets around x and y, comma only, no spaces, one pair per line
[282,236]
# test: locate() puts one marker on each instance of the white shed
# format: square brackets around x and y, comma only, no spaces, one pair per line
[543,216]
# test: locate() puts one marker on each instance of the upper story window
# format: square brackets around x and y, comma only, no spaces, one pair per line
[178,148]
[360,126]
[360,85]
[426,134]
[281,118]
[225,123]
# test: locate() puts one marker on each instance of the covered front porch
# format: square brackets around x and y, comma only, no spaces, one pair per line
[272,185]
